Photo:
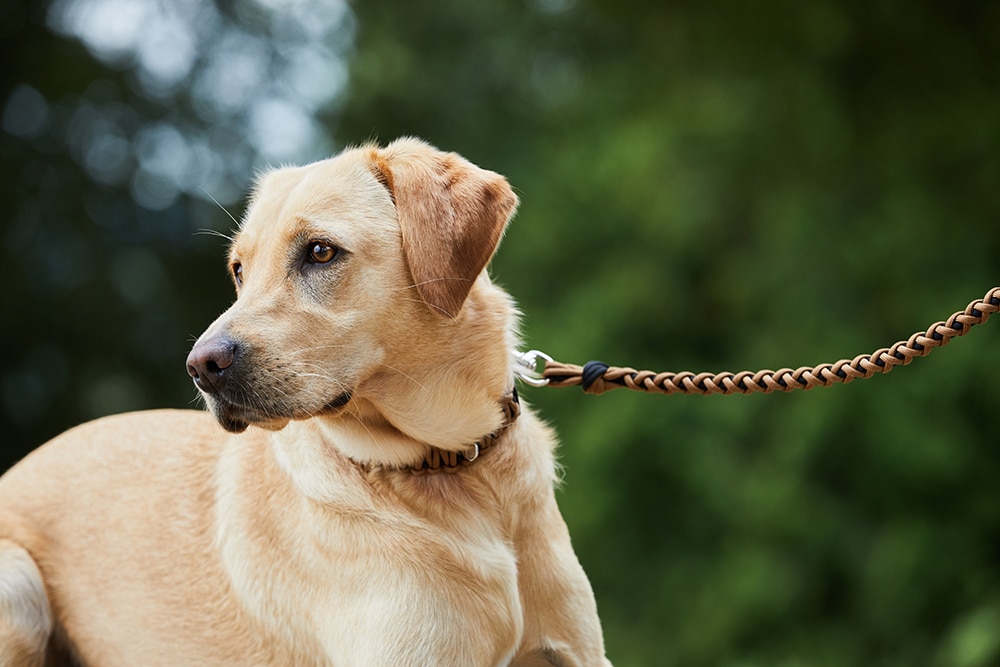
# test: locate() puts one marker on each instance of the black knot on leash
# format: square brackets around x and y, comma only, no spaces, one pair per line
[592,372]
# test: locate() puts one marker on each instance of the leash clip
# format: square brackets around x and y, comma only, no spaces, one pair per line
[526,367]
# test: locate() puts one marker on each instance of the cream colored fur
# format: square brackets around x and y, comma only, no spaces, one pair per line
[158,538]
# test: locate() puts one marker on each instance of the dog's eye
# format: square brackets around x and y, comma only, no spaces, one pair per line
[238,273]
[322,253]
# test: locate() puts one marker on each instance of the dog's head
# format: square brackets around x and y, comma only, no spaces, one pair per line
[362,300]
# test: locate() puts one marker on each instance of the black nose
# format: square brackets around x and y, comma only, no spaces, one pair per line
[210,360]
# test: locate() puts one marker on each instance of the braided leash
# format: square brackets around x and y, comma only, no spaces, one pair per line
[597,377]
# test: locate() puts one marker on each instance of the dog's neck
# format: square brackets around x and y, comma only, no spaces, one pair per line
[309,451]
[442,460]
[375,438]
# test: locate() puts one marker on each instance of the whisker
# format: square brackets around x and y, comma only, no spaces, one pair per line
[214,232]
[217,203]
[319,347]
[443,311]
[396,370]
[322,375]
[357,417]
[315,375]
[427,282]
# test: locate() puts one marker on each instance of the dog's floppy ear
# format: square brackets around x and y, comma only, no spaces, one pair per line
[451,214]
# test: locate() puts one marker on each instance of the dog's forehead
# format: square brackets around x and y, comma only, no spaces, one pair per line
[340,195]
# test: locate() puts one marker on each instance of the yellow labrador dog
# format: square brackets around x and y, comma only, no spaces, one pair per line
[376,494]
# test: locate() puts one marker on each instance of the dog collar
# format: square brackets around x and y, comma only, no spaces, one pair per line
[440,460]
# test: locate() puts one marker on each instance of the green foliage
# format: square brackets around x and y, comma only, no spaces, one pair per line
[704,186]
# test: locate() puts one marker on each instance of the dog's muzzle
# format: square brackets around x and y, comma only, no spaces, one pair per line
[218,366]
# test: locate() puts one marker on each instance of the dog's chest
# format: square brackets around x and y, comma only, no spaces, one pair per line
[380,583]
[451,596]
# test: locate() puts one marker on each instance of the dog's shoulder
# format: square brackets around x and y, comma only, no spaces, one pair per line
[102,458]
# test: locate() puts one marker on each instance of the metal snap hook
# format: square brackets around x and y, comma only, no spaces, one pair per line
[526,368]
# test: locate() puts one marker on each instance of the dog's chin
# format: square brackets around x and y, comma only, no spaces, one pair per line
[232,424]
[229,417]
[236,419]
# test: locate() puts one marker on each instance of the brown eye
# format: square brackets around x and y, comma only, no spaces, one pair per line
[238,273]
[322,253]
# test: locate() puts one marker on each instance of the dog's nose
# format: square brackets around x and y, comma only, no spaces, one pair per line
[208,361]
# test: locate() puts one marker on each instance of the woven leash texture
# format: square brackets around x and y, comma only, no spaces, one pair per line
[597,377]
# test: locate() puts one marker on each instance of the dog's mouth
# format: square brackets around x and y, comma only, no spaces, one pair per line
[339,402]
[236,418]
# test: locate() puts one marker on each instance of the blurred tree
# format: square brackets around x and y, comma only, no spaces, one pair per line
[704,185]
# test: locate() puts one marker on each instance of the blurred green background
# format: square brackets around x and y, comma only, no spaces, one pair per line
[704,185]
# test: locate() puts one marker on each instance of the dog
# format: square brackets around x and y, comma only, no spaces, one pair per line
[368,489]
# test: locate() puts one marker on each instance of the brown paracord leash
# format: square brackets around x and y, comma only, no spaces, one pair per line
[597,377]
